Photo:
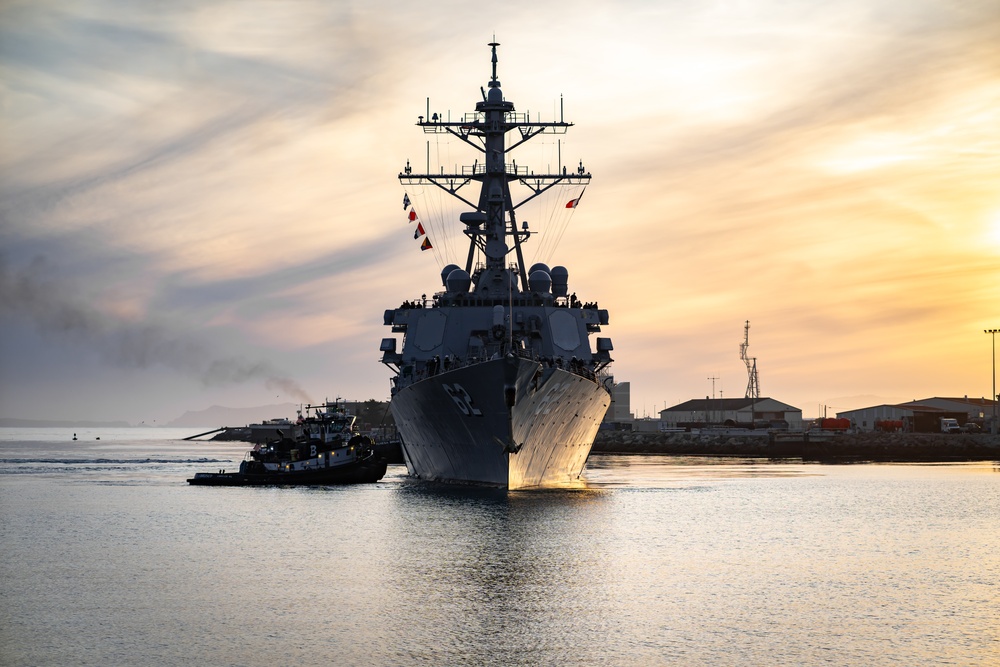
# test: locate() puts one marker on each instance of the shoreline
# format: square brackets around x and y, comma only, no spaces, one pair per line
[840,447]
[808,446]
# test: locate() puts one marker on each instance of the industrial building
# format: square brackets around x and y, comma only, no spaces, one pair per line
[752,411]
[761,412]
[620,410]
[976,409]
[927,411]
[865,419]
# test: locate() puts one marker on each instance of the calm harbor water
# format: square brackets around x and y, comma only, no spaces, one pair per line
[107,557]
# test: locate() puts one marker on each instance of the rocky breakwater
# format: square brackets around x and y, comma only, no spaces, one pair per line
[813,446]
[685,444]
[906,447]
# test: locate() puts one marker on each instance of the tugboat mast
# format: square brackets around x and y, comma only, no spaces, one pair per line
[493,219]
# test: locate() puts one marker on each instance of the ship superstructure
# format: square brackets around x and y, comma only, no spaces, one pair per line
[496,382]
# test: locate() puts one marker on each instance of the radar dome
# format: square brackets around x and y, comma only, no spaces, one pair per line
[560,281]
[539,281]
[538,266]
[446,271]
[458,281]
[495,95]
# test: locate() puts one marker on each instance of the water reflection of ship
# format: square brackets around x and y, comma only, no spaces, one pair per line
[513,546]
[496,382]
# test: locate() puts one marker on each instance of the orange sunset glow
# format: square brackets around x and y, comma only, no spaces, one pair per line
[200,203]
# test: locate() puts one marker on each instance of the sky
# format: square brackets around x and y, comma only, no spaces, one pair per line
[200,205]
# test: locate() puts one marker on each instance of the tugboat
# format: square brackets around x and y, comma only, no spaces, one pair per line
[496,382]
[322,448]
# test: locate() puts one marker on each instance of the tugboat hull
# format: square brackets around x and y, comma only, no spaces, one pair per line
[509,423]
[360,473]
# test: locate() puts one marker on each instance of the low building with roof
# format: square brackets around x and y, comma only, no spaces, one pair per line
[920,415]
[732,412]
[976,409]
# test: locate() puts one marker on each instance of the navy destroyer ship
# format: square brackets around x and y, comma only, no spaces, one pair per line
[496,382]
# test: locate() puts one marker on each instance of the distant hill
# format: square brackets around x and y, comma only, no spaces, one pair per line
[370,414]
[10,422]
[218,415]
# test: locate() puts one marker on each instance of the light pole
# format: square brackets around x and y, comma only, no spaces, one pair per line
[993,333]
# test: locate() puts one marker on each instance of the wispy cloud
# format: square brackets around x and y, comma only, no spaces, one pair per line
[220,176]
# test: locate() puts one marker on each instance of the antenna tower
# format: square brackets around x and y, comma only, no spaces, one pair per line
[753,384]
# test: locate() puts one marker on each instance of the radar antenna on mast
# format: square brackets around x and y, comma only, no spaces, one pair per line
[753,384]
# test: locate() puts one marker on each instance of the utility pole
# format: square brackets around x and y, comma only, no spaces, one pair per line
[713,379]
[993,333]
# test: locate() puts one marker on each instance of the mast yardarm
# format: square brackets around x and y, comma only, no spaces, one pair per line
[491,225]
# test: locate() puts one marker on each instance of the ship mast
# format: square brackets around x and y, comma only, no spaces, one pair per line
[492,220]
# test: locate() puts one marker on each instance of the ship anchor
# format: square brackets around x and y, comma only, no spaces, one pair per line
[509,447]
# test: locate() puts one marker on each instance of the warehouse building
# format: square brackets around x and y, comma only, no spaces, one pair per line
[760,412]
[918,415]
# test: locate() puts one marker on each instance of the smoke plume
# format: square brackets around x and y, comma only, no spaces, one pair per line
[32,293]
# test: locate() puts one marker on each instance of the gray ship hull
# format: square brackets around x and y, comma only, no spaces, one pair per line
[467,426]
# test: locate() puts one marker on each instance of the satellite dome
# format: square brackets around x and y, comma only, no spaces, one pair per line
[539,281]
[446,271]
[538,266]
[458,281]
[560,281]
[495,95]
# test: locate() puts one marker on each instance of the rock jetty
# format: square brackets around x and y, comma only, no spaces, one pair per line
[812,446]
